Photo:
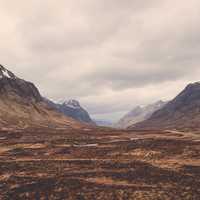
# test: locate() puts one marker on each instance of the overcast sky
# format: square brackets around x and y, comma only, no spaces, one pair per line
[111,55]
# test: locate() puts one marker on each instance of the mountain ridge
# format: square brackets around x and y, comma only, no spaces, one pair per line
[138,114]
[72,108]
[22,105]
[183,112]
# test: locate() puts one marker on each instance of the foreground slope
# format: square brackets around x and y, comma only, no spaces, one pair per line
[21,104]
[99,164]
[183,112]
[139,114]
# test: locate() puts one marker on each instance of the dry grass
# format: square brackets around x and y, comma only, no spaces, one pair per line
[102,164]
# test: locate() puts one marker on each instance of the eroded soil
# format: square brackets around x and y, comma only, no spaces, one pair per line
[94,164]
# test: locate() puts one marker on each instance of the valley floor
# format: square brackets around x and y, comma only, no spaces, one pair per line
[99,164]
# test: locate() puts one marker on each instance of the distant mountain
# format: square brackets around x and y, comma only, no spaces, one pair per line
[21,104]
[183,112]
[138,114]
[103,123]
[73,109]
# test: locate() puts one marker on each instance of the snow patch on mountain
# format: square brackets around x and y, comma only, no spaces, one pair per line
[4,73]
[138,114]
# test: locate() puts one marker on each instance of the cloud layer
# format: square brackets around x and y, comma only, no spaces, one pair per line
[109,54]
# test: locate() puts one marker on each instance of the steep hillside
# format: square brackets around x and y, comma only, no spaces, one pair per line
[183,112]
[21,104]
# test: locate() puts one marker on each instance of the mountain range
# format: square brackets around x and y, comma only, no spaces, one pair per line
[22,105]
[182,113]
[139,114]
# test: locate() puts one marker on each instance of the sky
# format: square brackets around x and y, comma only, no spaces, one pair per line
[111,55]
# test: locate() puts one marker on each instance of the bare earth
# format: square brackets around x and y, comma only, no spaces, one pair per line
[94,164]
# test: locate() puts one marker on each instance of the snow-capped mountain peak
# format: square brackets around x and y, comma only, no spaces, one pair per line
[4,73]
[139,113]
[73,109]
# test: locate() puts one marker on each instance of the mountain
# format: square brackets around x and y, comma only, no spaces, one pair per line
[183,112]
[138,114]
[73,109]
[14,87]
[22,105]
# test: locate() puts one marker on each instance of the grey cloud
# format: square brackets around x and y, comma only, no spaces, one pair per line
[102,52]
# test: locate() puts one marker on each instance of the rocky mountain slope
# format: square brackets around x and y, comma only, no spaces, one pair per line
[14,87]
[183,112]
[138,114]
[73,109]
[22,105]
